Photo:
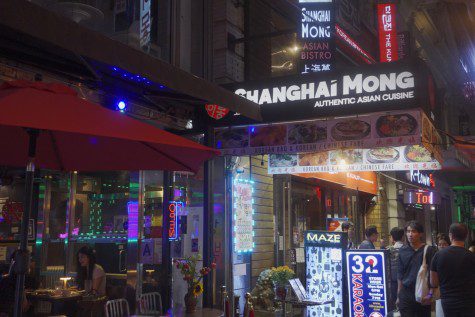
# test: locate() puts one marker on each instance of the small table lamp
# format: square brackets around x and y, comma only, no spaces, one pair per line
[65,281]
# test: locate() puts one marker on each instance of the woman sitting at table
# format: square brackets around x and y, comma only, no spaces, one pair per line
[91,276]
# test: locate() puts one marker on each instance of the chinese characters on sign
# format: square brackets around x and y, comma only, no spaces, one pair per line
[367,291]
[387,32]
[316,36]
[242,218]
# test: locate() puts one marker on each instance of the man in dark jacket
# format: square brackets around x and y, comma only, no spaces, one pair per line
[453,269]
[371,233]
[410,261]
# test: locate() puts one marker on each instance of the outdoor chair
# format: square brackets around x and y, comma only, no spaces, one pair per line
[117,308]
[150,303]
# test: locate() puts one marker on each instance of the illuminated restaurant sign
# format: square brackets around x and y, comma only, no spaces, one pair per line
[413,197]
[387,32]
[174,208]
[316,36]
[243,223]
[421,178]
[362,89]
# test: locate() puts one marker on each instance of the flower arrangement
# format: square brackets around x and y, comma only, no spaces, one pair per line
[281,275]
[193,278]
[263,292]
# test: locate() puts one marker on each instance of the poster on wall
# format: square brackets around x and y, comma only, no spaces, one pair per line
[242,215]
[325,270]
[367,283]
[316,35]
[403,158]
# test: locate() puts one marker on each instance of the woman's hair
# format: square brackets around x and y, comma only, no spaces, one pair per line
[443,236]
[85,273]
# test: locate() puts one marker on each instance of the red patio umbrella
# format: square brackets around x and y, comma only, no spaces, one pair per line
[47,125]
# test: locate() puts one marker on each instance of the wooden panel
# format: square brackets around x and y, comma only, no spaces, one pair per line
[262,256]
[263,264]
[264,232]
[265,240]
[262,209]
[263,224]
[264,248]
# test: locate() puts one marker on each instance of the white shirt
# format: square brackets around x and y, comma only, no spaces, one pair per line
[97,272]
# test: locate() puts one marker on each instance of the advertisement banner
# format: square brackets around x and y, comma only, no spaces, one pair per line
[145,22]
[367,283]
[242,218]
[324,271]
[380,129]
[431,138]
[403,158]
[345,91]
[316,35]
[334,224]
[388,39]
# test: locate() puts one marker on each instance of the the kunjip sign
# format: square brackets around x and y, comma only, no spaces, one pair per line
[379,87]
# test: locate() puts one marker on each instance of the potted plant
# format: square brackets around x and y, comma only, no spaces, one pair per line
[193,278]
[280,277]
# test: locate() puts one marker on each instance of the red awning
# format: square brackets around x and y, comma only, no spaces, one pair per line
[79,135]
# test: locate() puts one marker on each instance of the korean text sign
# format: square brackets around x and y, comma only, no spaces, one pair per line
[367,291]
[388,40]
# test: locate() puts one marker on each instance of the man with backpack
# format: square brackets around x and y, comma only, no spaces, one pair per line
[396,236]
[410,261]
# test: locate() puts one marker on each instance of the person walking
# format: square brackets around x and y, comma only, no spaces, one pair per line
[349,228]
[453,270]
[371,234]
[410,261]
[443,242]
[395,237]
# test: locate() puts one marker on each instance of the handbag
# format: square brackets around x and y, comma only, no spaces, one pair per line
[422,282]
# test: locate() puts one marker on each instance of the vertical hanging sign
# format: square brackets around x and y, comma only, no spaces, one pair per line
[145,22]
[316,35]
[174,208]
[388,40]
[242,215]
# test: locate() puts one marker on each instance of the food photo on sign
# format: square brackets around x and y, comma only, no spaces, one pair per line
[380,129]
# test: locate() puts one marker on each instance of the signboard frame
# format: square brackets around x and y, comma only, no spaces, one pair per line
[318,242]
[243,214]
[384,254]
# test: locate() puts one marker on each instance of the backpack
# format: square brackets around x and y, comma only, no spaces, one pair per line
[394,260]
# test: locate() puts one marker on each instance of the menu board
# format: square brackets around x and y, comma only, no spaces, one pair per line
[367,283]
[324,271]
[403,158]
[384,129]
[243,223]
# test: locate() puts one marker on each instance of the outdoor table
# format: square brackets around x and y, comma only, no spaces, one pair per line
[59,303]
[298,304]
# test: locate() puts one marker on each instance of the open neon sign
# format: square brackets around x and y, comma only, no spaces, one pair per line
[174,207]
